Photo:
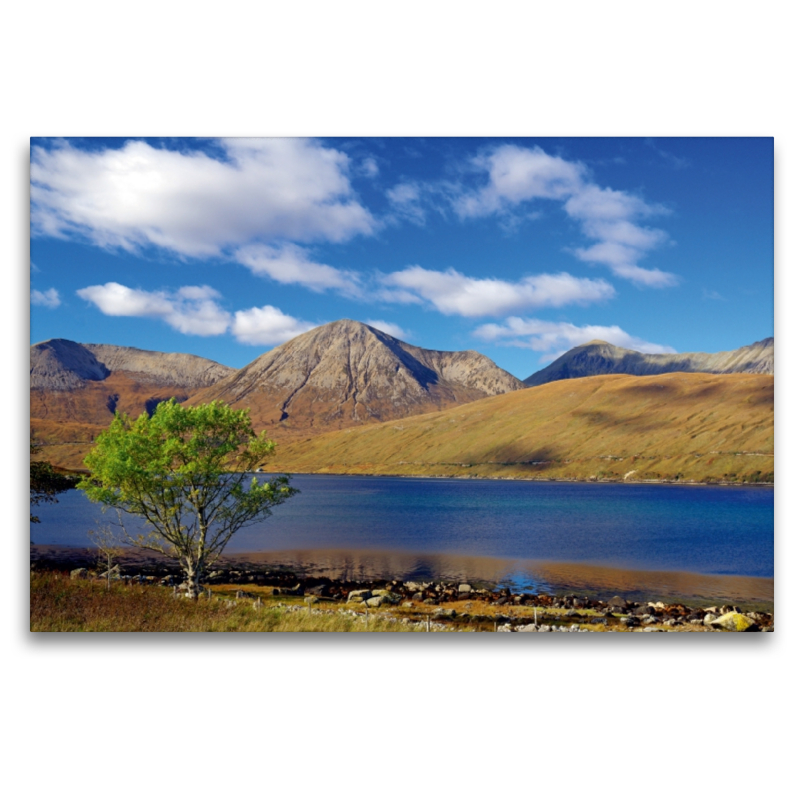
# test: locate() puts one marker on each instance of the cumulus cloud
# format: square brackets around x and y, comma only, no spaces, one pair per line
[390,328]
[516,174]
[190,309]
[289,263]
[612,219]
[268,326]
[555,338]
[48,298]
[192,203]
[453,293]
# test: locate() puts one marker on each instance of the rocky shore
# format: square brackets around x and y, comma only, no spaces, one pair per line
[441,603]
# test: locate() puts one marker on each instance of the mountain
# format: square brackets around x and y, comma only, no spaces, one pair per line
[60,364]
[346,373]
[601,358]
[75,389]
[701,427]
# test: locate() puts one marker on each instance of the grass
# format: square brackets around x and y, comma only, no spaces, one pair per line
[61,604]
[677,427]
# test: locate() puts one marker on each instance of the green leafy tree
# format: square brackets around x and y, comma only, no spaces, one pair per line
[183,471]
[46,483]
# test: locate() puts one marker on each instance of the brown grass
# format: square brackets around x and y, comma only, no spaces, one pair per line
[61,604]
[674,427]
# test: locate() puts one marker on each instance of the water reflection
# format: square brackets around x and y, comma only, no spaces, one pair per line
[517,574]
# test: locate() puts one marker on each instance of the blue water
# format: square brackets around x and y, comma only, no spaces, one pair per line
[708,530]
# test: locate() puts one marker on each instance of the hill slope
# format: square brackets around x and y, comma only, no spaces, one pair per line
[347,373]
[601,358]
[671,427]
[75,389]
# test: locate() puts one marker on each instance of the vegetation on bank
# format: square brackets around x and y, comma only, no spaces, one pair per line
[183,470]
[686,428]
[46,481]
[61,604]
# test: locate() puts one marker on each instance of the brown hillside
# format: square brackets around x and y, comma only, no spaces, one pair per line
[692,427]
[76,388]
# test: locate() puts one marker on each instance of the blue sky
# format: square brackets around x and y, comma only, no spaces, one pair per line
[518,248]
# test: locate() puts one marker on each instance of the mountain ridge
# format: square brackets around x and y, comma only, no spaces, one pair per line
[347,372]
[602,358]
[61,364]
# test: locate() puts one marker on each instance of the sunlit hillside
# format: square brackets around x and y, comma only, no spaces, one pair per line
[679,426]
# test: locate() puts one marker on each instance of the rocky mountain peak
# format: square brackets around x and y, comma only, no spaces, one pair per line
[346,373]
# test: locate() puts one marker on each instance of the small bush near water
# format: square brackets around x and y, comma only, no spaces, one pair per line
[61,604]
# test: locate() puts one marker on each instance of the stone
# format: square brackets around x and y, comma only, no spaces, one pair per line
[528,628]
[733,621]
[360,594]
[418,596]
[311,600]
[619,602]
[464,588]
[81,572]
[376,602]
[709,619]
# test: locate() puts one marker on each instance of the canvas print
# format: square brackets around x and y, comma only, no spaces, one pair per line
[423,385]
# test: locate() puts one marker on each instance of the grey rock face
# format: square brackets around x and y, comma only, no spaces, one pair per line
[62,365]
[602,358]
[346,372]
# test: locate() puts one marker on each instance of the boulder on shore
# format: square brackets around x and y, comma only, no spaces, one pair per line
[733,621]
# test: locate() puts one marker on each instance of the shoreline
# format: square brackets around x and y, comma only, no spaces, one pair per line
[592,583]
[663,482]
[377,605]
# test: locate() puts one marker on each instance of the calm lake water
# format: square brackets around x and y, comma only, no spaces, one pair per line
[683,540]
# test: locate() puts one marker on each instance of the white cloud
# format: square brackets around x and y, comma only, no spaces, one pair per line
[193,204]
[453,293]
[515,175]
[291,264]
[191,309]
[390,328]
[268,326]
[608,216]
[194,310]
[48,298]
[406,201]
[369,167]
[554,338]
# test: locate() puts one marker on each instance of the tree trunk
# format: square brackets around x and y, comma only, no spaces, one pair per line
[192,582]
